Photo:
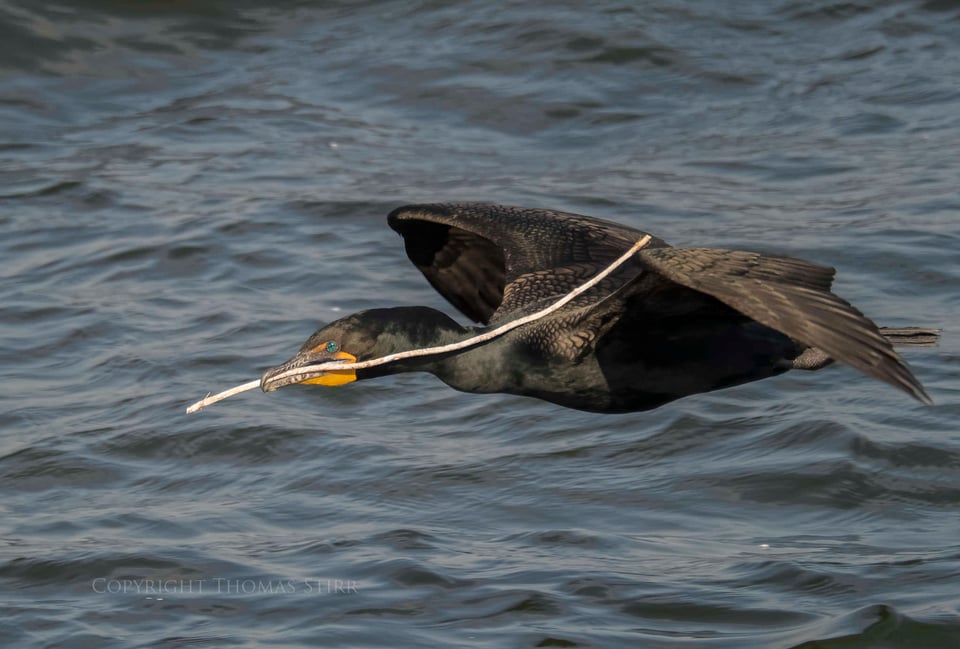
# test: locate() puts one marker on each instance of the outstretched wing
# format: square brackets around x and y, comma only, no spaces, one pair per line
[490,260]
[791,296]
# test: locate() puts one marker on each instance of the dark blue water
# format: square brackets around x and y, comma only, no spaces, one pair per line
[187,190]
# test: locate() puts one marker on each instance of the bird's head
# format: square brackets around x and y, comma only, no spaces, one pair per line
[362,336]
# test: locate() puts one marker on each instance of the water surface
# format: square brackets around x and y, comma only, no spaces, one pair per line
[187,190]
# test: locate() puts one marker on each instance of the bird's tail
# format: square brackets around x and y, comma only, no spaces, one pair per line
[920,336]
[813,358]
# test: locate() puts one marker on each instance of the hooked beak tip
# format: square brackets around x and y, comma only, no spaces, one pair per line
[265,380]
[269,381]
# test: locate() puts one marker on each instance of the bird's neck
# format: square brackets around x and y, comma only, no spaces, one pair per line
[413,328]
[473,369]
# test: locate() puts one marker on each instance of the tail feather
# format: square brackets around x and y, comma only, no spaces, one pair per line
[813,359]
[920,336]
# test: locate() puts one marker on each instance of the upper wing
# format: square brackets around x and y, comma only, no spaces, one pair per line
[791,296]
[488,260]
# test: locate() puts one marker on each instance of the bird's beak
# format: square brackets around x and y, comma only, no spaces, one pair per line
[298,370]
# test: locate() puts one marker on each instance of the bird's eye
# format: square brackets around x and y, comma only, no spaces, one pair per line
[332,346]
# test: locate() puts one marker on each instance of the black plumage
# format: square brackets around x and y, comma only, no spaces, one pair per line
[668,323]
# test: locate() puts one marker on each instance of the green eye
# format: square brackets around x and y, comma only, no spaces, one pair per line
[332,346]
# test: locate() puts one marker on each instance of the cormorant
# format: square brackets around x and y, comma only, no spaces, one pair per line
[668,323]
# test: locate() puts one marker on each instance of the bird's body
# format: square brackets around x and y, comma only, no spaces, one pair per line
[668,323]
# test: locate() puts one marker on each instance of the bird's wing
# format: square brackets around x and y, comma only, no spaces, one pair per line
[791,296]
[491,260]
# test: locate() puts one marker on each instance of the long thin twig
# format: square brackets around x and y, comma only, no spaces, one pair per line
[209,399]
[430,351]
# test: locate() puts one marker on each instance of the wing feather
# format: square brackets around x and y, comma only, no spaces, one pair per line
[475,254]
[791,296]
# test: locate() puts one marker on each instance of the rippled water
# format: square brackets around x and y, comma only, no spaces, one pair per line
[188,189]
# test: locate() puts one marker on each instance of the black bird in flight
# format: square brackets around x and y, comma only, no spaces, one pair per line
[668,323]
